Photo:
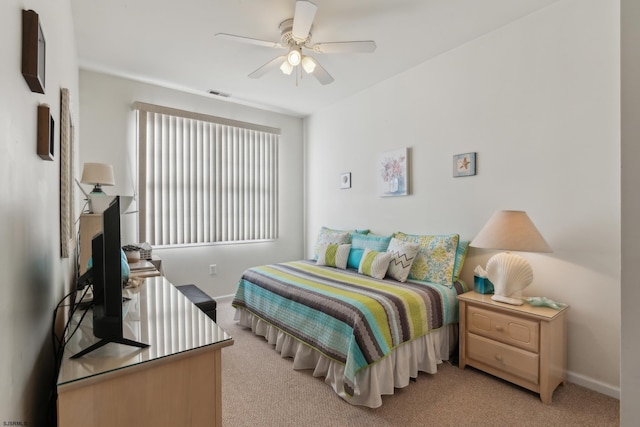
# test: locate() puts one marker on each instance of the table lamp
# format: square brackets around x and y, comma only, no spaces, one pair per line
[98,174]
[510,273]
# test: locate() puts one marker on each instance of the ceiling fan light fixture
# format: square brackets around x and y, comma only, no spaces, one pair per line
[295,35]
[308,64]
[294,56]
[286,67]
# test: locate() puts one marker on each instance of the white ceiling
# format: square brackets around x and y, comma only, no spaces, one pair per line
[173,43]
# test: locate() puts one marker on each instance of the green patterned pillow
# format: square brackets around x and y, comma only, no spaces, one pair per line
[328,235]
[436,257]
[402,256]
[360,242]
[374,263]
[333,255]
[461,254]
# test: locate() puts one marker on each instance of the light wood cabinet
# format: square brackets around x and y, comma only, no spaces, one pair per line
[90,225]
[524,345]
[176,381]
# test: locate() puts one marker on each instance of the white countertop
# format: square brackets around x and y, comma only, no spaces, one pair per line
[157,314]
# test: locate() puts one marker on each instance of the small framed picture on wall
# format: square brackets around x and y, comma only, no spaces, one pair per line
[464,165]
[393,176]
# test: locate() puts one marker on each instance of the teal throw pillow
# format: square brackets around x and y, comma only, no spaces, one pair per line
[360,242]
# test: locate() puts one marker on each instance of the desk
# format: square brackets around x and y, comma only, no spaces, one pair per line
[176,381]
[157,262]
[143,268]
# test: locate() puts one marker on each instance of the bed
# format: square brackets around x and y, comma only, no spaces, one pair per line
[365,336]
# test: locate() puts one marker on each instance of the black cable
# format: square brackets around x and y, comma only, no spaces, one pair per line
[59,343]
[86,310]
[56,343]
[62,341]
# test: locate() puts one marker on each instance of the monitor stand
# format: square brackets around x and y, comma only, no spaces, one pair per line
[104,341]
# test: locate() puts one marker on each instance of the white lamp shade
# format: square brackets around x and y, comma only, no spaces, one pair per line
[294,56]
[510,231]
[510,273]
[309,64]
[286,68]
[98,173]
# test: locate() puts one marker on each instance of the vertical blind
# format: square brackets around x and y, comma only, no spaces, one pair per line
[204,179]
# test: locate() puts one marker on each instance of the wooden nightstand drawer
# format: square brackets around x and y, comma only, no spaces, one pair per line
[510,330]
[515,361]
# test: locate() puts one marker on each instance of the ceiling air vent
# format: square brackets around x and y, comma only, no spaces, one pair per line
[218,93]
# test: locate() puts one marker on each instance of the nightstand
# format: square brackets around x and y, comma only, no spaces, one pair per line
[523,344]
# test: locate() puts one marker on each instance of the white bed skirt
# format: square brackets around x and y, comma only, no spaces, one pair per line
[395,371]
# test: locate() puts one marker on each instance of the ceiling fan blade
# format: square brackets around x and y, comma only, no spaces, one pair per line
[366,46]
[248,40]
[274,63]
[302,19]
[320,73]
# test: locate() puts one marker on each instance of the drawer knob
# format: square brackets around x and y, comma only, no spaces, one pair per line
[499,358]
[499,328]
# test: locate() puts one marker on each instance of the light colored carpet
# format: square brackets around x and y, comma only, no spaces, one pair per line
[259,388]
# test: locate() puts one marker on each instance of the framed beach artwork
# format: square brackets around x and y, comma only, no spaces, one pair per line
[393,179]
[464,164]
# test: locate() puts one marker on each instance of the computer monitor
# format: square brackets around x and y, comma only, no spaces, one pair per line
[106,271]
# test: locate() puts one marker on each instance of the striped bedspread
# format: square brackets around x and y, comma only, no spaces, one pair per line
[348,317]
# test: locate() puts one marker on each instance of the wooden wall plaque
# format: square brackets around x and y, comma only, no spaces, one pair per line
[45,132]
[33,51]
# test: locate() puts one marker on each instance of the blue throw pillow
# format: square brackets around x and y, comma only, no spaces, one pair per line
[360,242]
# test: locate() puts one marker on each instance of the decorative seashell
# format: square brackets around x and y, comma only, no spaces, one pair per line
[509,273]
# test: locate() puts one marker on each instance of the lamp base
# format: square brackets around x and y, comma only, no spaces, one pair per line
[507,300]
[510,274]
[97,189]
[99,202]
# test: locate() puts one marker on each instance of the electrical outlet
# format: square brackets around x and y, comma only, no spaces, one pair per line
[213,270]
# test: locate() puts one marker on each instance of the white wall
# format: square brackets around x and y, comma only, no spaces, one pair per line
[108,135]
[33,277]
[630,378]
[538,100]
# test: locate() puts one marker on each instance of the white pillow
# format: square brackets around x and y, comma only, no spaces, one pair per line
[402,256]
[327,236]
[374,263]
[333,255]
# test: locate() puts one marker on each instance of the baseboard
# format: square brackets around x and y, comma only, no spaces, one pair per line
[591,384]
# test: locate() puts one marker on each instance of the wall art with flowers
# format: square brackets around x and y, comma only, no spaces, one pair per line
[393,179]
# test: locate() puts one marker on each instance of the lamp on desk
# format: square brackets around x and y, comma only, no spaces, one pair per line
[97,174]
[510,273]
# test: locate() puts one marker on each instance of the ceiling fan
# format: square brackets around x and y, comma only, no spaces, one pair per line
[295,35]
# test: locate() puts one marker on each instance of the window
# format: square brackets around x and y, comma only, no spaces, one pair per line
[204,179]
